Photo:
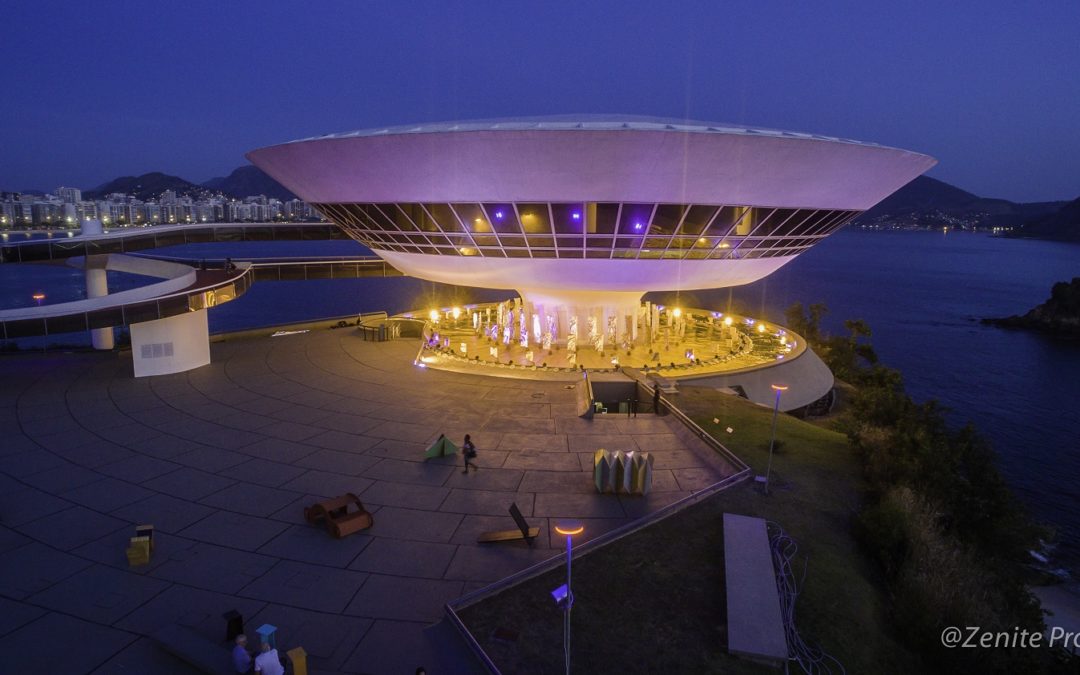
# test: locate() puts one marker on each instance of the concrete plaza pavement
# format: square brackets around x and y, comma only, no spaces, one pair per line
[222,461]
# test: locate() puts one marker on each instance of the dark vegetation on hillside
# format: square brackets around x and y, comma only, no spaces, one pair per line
[938,518]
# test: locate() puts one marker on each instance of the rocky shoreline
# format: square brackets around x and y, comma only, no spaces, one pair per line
[1059,316]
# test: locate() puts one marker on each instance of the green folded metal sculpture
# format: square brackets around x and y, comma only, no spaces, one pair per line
[622,473]
[441,446]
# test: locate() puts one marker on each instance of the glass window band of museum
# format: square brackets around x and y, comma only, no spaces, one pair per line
[587,230]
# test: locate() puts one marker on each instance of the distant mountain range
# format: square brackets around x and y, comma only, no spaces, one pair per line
[1064,224]
[928,202]
[245,181]
[249,180]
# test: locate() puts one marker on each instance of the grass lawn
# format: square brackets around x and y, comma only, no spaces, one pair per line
[654,601]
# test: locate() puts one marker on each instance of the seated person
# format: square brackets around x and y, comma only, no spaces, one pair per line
[240,655]
[268,663]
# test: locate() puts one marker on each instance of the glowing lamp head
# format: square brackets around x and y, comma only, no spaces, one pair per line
[728,321]
[434,315]
[637,226]
[677,312]
[499,215]
[761,328]
[456,313]
[569,528]
[779,387]
[38,296]
[576,215]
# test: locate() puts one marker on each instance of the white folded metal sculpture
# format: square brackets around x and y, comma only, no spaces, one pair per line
[623,473]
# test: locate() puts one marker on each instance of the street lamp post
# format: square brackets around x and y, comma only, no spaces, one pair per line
[564,596]
[778,388]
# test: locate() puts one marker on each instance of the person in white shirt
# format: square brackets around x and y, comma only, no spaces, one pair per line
[268,663]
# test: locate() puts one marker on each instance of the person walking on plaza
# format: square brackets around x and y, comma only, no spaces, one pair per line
[468,451]
[268,663]
[656,398]
[241,656]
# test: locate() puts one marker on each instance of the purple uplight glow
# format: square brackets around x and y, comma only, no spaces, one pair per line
[499,215]
[637,226]
[576,215]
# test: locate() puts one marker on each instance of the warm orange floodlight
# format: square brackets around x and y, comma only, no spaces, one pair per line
[570,529]
[779,387]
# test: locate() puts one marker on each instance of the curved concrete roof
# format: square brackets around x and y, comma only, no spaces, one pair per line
[579,122]
[615,159]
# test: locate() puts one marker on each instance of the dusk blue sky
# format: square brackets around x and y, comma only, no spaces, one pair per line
[97,90]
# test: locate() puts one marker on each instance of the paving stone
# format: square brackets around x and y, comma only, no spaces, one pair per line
[100,594]
[14,614]
[233,529]
[213,568]
[278,450]
[405,558]
[10,539]
[423,497]
[399,523]
[210,459]
[327,484]
[165,513]
[563,505]
[351,424]
[396,449]
[138,469]
[491,563]
[407,599]
[534,442]
[195,608]
[659,442]
[145,656]
[487,502]
[558,481]
[487,478]
[393,647]
[98,452]
[417,433]
[543,461]
[23,504]
[345,442]
[696,478]
[410,472]
[34,567]
[60,644]
[190,484]
[254,500]
[593,442]
[338,462]
[676,459]
[71,527]
[315,587]
[313,544]
[263,472]
[28,462]
[129,433]
[162,446]
[62,478]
